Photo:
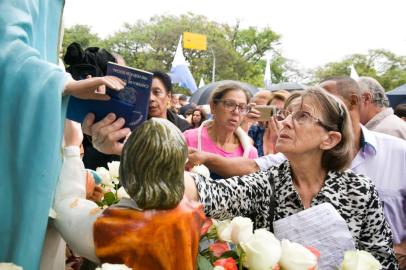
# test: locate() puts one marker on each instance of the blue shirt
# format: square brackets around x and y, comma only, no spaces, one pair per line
[383,159]
[256,132]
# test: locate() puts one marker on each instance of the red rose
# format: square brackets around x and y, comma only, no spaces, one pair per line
[218,248]
[206,226]
[227,263]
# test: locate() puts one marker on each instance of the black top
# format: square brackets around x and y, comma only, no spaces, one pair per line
[182,124]
[93,158]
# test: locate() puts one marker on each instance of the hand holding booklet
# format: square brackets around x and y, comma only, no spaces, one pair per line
[131,103]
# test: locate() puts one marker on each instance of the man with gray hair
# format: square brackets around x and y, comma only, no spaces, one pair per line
[376,114]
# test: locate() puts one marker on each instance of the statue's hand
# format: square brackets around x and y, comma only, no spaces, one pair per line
[93,88]
[73,135]
[93,191]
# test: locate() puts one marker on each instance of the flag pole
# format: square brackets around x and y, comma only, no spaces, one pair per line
[213,72]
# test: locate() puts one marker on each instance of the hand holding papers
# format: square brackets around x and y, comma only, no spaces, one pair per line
[321,227]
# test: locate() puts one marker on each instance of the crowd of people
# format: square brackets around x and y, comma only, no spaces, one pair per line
[321,151]
[337,142]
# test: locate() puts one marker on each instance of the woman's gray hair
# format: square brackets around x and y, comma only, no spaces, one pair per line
[152,165]
[335,116]
[223,88]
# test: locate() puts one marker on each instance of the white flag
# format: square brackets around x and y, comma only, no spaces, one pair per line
[267,77]
[201,83]
[354,74]
[180,72]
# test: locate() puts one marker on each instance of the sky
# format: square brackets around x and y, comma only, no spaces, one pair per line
[314,32]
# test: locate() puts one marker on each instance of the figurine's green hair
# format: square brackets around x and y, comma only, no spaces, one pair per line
[152,165]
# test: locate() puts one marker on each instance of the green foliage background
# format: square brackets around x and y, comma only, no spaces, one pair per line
[239,53]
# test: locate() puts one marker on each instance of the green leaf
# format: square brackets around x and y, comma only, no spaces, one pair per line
[230,253]
[203,263]
[109,198]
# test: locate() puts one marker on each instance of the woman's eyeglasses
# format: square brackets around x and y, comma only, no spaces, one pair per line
[231,106]
[301,118]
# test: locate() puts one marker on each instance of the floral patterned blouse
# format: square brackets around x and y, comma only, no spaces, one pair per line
[352,195]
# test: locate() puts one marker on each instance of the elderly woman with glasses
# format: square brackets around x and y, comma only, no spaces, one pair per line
[223,135]
[317,139]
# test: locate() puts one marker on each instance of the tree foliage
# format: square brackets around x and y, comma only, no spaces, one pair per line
[239,52]
[81,34]
[152,44]
[388,68]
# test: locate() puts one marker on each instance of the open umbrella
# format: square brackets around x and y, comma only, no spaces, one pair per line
[397,96]
[288,86]
[201,96]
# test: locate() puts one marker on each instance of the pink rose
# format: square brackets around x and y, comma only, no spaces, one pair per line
[227,264]
[206,226]
[218,248]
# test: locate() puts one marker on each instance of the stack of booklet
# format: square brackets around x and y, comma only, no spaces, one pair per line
[130,103]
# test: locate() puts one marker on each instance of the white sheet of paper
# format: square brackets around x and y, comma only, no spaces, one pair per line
[321,227]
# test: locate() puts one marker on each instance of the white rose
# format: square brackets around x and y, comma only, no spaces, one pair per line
[241,229]
[296,257]
[262,250]
[114,168]
[9,266]
[218,268]
[108,266]
[223,229]
[236,231]
[121,193]
[105,176]
[359,260]
[202,170]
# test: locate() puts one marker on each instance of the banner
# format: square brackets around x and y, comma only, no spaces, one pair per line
[194,41]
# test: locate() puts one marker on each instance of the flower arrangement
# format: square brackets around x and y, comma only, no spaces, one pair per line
[359,260]
[111,184]
[233,245]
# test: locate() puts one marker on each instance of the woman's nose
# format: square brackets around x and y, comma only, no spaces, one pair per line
[288,121]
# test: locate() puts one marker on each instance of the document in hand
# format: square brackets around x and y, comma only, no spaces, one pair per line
[131,103]
[321,227]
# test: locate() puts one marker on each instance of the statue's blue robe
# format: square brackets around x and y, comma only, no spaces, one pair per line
[32,112]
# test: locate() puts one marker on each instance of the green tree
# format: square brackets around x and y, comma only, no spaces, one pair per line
[238,52]
[388,68]
[81,34]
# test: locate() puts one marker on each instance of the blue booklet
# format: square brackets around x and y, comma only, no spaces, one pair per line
[131,103]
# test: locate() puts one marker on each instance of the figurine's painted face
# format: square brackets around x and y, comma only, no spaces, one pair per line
[152,165]
[160,98]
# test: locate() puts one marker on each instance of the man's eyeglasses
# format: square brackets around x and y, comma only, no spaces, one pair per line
[231,106]
[301,118]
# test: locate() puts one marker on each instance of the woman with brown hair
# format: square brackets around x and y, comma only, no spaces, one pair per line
[316,138]
[223,135]
[198,117]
